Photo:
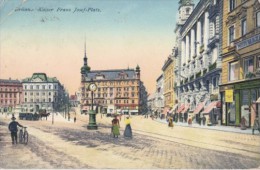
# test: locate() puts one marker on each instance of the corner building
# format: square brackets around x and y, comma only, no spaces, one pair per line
[118,90]
[240,88]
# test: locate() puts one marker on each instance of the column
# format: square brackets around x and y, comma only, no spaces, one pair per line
[192,42]
[198,37]
[187,56]
[183,52]
[206,29]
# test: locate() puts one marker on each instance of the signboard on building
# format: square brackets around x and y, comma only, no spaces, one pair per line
[250,41]
[229,96]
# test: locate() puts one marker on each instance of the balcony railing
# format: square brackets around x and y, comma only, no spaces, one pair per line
[213,66]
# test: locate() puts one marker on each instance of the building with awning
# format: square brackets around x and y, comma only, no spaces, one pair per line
[180,108]
[211,106]
[199,107]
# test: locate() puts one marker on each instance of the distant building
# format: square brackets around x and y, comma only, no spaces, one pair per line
[10,94]
[118,90]
[159,97]
[151,103]
[74,101]
[42,92]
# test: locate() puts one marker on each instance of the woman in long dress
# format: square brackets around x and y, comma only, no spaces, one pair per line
[170,124]
[128,129]
[115,127]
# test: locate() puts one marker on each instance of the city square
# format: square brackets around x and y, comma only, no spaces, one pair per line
[130,84]
[66,144]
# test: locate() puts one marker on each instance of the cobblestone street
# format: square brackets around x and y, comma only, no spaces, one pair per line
[154,145]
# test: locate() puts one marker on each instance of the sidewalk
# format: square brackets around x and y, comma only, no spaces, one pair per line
[217,127]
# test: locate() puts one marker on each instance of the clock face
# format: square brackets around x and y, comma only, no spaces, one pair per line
[92,87]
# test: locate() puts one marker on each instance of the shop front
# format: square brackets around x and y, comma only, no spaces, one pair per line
[239,101]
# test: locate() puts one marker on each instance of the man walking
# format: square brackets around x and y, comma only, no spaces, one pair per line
[13,129]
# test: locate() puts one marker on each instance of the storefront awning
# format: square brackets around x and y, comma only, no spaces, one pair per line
[174,108]
[211,106]
[258,100]
[186,108]
[199,108]
[165,110]
[181,108]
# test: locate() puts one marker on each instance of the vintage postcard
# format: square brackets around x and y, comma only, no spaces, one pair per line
[129,84]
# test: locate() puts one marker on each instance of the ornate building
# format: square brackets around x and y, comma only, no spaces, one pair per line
[42,92]
[118,90]
[240,86]
[10,94]
[199,60]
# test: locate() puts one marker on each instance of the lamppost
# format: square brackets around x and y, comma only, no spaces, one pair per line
[92,115]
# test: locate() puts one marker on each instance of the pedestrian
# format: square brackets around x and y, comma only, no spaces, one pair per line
[13,129]
[170,122]
[128,129]
[115,127]
[204,120]
[75,119]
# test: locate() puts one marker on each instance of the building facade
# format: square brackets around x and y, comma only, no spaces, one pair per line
[10,94]
[199,64]
[159,97]
[240,86]
[168,85]
[118,91]
[42,92]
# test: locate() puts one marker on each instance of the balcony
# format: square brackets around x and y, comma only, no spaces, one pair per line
[213,40]
[213,66]
[214,11]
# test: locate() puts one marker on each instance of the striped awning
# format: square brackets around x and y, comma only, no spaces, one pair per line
[199,108]
[181,108]
[186,108]
[211,106]
[165,110]
[174,108]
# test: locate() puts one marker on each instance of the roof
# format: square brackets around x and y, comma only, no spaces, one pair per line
[40,77]
[9,81]
[112,74]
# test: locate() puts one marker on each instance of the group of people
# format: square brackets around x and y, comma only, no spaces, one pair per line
[116,126]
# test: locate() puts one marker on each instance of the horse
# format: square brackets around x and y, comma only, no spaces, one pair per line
[44,115]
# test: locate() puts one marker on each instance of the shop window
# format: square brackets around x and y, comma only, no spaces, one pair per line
[245,106]
[248,66]
[233,71]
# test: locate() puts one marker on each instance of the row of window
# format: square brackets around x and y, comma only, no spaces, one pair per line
[250,64]
[117,83]
[9,89]
[243,27]
[38,87]
[8,101]
[111,95]
[42,105]
[111,101]
[6,95]
[38,100]
[38,93]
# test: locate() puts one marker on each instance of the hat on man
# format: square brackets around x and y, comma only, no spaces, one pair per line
[13,118]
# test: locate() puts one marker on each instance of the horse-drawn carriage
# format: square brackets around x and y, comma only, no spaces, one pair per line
[34,116]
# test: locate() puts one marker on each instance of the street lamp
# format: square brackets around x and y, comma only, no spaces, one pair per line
[92,115]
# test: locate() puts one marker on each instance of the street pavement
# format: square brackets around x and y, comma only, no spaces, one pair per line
[66,144]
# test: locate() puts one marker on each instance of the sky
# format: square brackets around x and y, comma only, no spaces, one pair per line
[49,35]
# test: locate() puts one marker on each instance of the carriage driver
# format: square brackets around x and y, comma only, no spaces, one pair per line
[13,129]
